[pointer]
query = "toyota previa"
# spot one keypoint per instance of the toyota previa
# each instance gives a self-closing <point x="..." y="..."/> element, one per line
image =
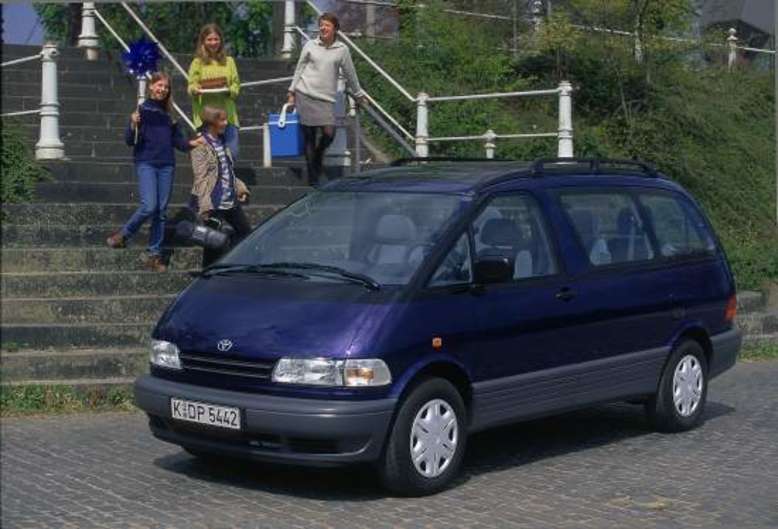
<point x="386" y="317"/>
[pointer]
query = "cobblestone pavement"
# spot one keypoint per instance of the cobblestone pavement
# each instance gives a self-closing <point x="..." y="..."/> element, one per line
<point x="597" y="468"/>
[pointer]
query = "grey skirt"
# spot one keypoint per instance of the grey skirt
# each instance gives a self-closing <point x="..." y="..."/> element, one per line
<point x="314" y="112"/>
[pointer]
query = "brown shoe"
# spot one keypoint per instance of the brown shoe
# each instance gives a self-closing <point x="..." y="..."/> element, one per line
<point x="117" y="240"/>
<point x="156" y="264"/>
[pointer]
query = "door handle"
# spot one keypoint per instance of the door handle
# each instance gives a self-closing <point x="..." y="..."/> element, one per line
<point x="565" y="294"/>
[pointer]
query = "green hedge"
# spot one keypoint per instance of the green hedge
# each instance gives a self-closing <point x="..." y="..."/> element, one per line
<point x="20" y="170"/>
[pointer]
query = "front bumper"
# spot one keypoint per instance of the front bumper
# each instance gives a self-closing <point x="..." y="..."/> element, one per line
<point x="726" y="347"/>
<point x="278" y="429"/>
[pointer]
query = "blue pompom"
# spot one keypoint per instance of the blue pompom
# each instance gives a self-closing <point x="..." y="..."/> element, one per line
<point x="142" y="57"/>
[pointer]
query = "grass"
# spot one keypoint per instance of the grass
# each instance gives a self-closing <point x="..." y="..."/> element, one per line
<point x="38" y="399"/>
<point x="760" y="351"/>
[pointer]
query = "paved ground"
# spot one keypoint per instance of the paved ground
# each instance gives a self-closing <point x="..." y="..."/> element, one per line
<point x="599" y="468"/>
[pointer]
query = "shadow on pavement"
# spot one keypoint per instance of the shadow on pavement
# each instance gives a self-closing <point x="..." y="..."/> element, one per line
<point x="493" y="450"/>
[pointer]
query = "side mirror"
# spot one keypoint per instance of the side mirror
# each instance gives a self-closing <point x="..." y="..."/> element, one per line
<point x="493" y="269"/>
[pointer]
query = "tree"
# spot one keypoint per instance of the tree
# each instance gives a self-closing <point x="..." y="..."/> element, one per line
<point x="247" y="25"/>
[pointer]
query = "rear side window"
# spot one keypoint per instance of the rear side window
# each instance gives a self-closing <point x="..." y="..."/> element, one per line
<point x="608" y="226"/>
<point x="680" y="229"/>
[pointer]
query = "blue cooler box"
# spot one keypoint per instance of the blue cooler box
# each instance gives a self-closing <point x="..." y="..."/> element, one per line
<point x="286" y="138"/>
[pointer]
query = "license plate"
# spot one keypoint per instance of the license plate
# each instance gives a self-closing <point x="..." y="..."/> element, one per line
<point x="204" y="413"/>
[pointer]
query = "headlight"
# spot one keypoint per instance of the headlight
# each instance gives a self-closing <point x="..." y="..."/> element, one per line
<point x="164" y="354"/>
<point x="329" y="372"/>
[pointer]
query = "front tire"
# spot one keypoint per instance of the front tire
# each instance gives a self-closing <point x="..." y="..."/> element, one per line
<point x="427" y="442"/>
<point x="683" y="388"/>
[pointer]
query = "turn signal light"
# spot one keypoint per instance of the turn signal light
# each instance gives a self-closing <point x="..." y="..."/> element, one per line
<point x="731" y="312"/>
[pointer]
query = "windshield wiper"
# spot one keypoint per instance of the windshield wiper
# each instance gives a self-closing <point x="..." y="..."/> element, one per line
<point x="354" y="277"/>
<point x="228" y="268"/>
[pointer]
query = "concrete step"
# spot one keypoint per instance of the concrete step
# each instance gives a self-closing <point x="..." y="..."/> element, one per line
<point x="67" y="364"/>
<point x="758" y="323"/>
<point x="124" y="309"/>
<point x="101" y="258"/>
<point x="41" y="335"/>
<point x="85" y="213"/>
<point x="70" y="236"/>
<point x="113" y="192"/>
<point x="750" y="301"/>
<point x="97" y="171"/>
<point x="118" y="149"/>
<point x="91" y="283"/>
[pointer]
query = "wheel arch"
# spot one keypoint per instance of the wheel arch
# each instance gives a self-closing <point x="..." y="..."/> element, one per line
<point x="697" y="333"/>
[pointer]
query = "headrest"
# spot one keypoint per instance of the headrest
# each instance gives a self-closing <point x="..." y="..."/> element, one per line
<point x="500" y="232"/>
<point x="395" y="229"/>
<point x="627" y="222"/>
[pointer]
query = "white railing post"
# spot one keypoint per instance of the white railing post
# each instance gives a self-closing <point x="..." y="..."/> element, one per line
<point x="267" y="158"/>
<point x="142" y="84"/>
<point x="565" y="148"/>
<point x="49" y="146"/>
<point x="489" y="144"/>
<point x="337" y="154"/>
<point x="732" y="45"/>
<point x="88" y="37"/>
<point x="422" y="126"/>
<point x="287" y="49"/>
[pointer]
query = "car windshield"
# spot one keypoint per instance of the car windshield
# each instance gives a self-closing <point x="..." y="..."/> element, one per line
<point x="381" y="237"/>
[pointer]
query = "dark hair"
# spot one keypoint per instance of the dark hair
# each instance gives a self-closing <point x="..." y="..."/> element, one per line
<point x="331" y="18"/>
<point x="202" y="53"/>
<point x="168" y="101"/>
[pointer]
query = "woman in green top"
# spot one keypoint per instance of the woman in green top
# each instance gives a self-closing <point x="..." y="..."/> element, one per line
<point x="214" y="82"/>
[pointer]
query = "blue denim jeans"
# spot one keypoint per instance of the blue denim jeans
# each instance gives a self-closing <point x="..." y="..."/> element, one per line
<point x="155" y="185"/>
<point x="231" y="140"/>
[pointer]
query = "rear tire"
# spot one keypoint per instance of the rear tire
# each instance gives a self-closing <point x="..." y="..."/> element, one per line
<point x="427" y="442"/>
<point x="683" y="388"/>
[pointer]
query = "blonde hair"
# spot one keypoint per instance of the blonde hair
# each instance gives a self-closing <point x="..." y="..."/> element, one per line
<point x="202" y="53"/>
<point x="158" y="76"/>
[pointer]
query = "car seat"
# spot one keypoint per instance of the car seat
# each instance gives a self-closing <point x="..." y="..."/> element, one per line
<point x="588" y="227"/>
<point x="630" y="243"/>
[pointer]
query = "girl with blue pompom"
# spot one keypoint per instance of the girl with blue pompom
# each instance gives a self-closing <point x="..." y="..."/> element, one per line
<point x="153" y="135"/>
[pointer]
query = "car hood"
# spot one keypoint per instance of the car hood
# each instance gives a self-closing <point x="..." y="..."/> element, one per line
<point x="266" y="318"/>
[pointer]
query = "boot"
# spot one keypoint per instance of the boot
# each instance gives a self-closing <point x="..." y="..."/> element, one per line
<point x="156" y="264"/>
<point x="116" y="240"/>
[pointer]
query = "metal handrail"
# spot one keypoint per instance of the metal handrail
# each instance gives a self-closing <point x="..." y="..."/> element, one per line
<point x="20" y="113"/>
<point x="22" y="60"/>
<point x="622" y="33"/>
<point x="156" y="40"/>
<point x="495" y="95"/>
<point x="486" y="136"/>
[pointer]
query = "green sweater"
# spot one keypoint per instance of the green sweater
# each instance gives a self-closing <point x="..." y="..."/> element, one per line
<point x="199" y="71"/>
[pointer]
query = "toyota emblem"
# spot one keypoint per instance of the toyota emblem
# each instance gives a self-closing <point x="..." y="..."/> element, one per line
<point x="224" y="345"/>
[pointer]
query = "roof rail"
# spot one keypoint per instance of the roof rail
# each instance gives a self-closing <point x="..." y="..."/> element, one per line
<point x="595" y="165"/>
<point x="406" y="161"/>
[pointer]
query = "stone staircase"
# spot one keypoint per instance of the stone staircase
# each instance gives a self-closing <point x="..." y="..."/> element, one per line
<point x="73" y="310"/>
<point x="758" y="317"/>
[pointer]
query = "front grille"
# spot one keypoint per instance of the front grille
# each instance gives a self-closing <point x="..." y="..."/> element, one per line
<point x="226" y="365"/>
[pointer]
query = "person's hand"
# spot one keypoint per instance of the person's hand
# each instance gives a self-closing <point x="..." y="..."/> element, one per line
<point x="197" y="91"/>
<point x="199" y="140"/>
<point x="135" y="118"/>
<point x="290" y="99"/>
<point x="205" y="215"/>
<point x="243" y="197"/>
<point x="362" y="101"/>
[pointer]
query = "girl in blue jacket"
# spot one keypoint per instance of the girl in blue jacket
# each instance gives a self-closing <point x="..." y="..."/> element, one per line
<point x="153" y="136"/>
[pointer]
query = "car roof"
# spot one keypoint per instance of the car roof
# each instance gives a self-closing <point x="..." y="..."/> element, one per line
<point x="471" y="177"/>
